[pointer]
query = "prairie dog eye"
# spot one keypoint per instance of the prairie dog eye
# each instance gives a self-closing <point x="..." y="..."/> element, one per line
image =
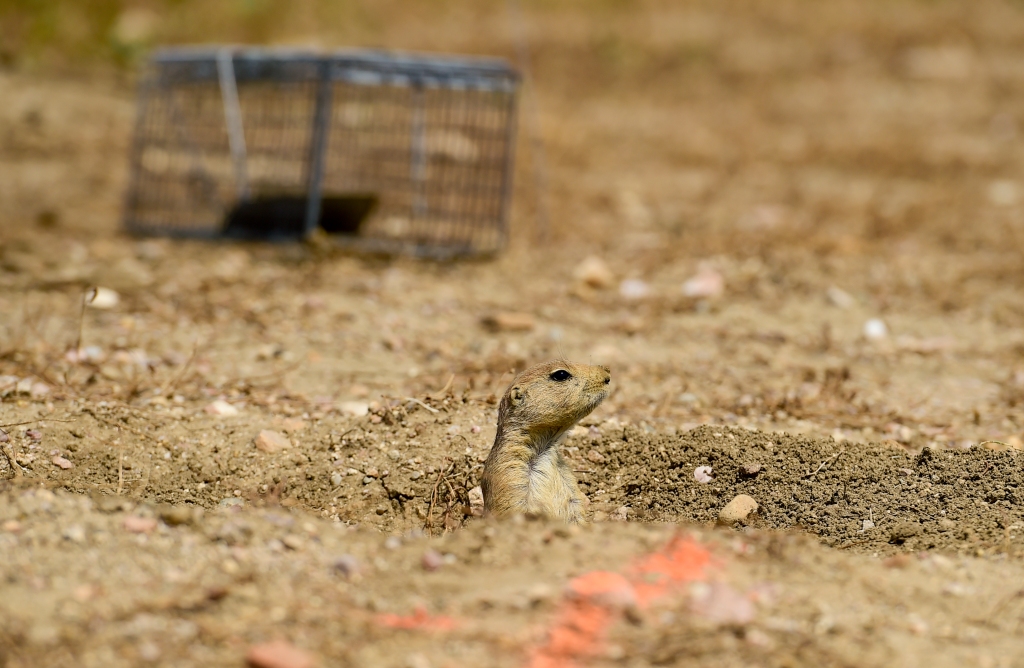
<point x="560" y="375"/>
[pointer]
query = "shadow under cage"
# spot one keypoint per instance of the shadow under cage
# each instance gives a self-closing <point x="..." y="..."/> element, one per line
<point x="387" y="152"/>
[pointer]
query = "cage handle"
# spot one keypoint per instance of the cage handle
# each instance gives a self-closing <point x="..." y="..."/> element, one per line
<point x="318" y="147"/>
<point x="233" y="119"/>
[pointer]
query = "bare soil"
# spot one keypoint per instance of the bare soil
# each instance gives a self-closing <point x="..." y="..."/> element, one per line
<point x="832" y="164"/>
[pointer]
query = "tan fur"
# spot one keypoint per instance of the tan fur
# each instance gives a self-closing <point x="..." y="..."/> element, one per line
<point x="525" y="471"/>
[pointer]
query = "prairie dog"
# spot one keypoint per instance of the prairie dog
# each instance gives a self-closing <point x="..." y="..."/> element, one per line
<point x="525" y="471"/>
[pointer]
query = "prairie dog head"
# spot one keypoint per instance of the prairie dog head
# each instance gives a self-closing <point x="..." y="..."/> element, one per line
<point x="553" y="395"/>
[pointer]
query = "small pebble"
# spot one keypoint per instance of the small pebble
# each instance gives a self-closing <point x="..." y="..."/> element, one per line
<point x="634" y="289"/>
<point x="354" y="408"/>
<point x="346" y="565"/>
<point x="62" y="462"/>
<point x="11" y="526"/>
<point x="594" y="272"/>
<point x="336" y="478"/>
<point x="737" y="510"/>
<point x="4" y="436"/>
<point x="875" y="329"/>
<point x="34" y="434"/>
<point x="221" y="407"/>
<point x="102" y="298"/>
<point x="278" y="654"/>
<point x="75" y="533"/>
<point x="508" y="322"/>
<point x="432" y="560"/>
<point x="293" y="542"/>
<point x="175" y="515"/>
<point x="703" y="475"/>
<point x="271" y="441"/>
<point x="750" y="470"/>
<point x="475" y="429"/>
<point x="136" y="524"/>
<point x="708" y="282"/>
<point x="595" y="457"/>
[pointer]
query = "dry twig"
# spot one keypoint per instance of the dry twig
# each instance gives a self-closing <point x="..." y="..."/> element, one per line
<point x="447" y="386"/>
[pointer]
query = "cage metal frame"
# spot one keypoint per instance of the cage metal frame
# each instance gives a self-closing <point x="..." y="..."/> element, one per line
<point x="234" y="69"/>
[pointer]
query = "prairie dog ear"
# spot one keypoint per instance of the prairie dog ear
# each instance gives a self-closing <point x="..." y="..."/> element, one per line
<point x="516" y="395"/>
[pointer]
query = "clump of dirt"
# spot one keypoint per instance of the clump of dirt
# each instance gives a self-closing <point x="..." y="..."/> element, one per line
<point x="871" y="497"/>
<point x="412" y="466"/>
<point x="404" y="465"/>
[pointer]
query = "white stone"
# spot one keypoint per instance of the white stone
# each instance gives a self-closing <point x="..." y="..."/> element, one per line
<point x="355" y="408"/>
<point x="103" y="298"/>
<point x="703" y="474"/>
<point x="708" y="282"/>
<point x="876" y="329"/>
<point x="221" y="407"/>
<point x="634" y="289"/>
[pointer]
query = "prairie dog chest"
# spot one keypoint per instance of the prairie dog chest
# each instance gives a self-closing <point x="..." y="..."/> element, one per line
<point x="546" y="474"/>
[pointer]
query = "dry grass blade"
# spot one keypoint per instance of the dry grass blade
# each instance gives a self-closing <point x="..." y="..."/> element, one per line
<point x="826" y="463"/>
<point x="444" y="390"/>
<point x="27" y="422"/>
<point x="417" y="401"/>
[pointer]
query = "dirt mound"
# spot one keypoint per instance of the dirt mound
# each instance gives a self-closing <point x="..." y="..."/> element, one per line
<point x="406" y="467"/>
<point x="866" y="497"/>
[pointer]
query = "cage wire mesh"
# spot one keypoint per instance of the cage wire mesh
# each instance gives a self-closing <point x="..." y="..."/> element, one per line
<point x="388" y="152"/>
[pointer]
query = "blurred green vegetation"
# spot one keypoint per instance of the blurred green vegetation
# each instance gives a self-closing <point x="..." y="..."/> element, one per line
<point x="74" y="33"/>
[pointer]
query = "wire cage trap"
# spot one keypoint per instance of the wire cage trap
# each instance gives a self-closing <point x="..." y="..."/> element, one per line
<point x="387" y="152"/>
